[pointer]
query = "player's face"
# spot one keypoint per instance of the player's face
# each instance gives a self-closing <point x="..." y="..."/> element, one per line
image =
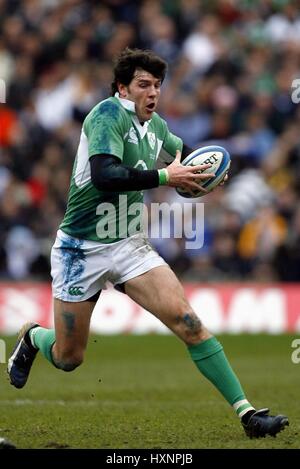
<point x="144" y="91"/>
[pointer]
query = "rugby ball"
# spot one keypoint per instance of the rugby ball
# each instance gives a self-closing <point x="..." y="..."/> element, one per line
<point x="219" y="159"/>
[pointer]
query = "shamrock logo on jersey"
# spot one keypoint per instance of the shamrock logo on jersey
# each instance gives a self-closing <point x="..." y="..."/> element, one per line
<point x="151" y="139"/>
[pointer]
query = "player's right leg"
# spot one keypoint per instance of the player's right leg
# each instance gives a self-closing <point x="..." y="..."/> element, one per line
<point x="76" y="287"/>
<point x="64" y="347"/>
<point x="72" y="325"/>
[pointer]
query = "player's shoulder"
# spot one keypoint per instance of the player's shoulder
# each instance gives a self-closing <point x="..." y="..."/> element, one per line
<point x="108" y="110"/>
<point x="109" y="106"/>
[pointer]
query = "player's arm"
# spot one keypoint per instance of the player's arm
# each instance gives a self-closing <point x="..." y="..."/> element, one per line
<point x="109" y="174"/>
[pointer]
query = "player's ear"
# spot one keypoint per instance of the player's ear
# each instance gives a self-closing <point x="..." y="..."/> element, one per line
<point x="122" y="90"/>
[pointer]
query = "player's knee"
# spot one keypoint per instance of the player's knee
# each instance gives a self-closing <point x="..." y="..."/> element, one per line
<point x="67" y="366"/>
<point x="69" y="362"/>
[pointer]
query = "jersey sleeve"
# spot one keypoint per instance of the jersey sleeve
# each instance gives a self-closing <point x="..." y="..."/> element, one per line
<point x="104" y="130"/>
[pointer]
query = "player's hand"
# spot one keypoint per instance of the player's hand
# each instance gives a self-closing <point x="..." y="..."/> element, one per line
<point x="187" y="177"/>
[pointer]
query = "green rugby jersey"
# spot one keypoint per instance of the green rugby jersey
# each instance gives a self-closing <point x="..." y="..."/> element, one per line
<point x="112" y="127"/>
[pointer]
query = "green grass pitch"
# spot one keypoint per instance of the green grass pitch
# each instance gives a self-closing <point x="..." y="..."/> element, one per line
<point x="145" y="392"/>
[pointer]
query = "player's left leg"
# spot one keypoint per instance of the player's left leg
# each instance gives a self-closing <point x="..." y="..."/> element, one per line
<point x="160" y="292"/>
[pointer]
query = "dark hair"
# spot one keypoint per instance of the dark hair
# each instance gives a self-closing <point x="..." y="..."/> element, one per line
<point x="131" y="59"/>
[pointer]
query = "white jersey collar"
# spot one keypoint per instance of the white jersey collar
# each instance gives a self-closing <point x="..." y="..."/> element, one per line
<point x="130" y="106"/>
<point x="126" y="103"/>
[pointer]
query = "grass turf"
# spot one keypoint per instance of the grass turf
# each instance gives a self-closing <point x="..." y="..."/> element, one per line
<point x="145" y="392"/>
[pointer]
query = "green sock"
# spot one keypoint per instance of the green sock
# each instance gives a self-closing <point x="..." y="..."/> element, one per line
<point x="43" y="339"/>
<point x="213" y="364"/>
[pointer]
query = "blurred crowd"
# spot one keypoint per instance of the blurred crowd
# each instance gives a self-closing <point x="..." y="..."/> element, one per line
<point x="232" y="65"/>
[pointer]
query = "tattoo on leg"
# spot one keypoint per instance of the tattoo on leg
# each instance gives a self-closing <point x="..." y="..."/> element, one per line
<point x="192" y="322"/>
<point x="69" y="320"/>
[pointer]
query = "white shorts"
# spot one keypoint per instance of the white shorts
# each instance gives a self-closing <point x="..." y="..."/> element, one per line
<point x="80" y="268"/>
